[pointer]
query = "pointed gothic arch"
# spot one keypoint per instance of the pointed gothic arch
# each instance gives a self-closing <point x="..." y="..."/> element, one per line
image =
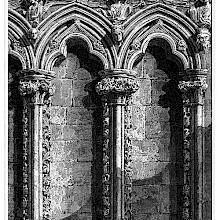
<point x="160" y="21"/>
<point x="78" y="21"/>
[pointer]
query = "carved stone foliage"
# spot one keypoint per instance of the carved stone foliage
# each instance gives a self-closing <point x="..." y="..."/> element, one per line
<point x="128" y="159"/>
<point x="37" y="90"/>
<point x="188" y="88"/>
<point x="117" y="14"/>
<point x="193" y="95"/>
<point x="46" y="161"/>
<point x="116" y="88"/>
<point x="187" y="163"/>
<point x="117" y="85"/>
<point x="26" y="180"/>
<point x="106" y="163"/>
<point x="201" y="15"/>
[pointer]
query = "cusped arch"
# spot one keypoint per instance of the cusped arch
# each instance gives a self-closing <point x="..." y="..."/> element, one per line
<point x="160" y="21"/>
<point x="166" y="37"/>
<point x="62" y="51"/>
<point x="19" y="44"/>
<point x="75" y="20"/>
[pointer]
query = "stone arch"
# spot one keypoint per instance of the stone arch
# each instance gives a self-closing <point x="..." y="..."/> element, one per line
<point x="160" y="21"/>
<point x="75" y="20"/>
<point x="19" y="44"/>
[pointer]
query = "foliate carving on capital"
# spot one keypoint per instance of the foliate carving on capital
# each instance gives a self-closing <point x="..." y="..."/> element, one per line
<point x="37" y="90"/>
<point x="185" y="86"/>
<point x="193" y="91"/>
<point x="117" y="85"/>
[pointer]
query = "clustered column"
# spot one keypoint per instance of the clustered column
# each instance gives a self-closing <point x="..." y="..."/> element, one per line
<point x="35" y="87"/>
<point x="115" y="88"/>
<point x="193" y="90"/>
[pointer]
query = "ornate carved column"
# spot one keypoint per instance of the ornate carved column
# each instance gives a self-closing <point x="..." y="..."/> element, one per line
<point x="35" y="87"/>
<point x="193" y="89"/>
<point x="116" y="88"/>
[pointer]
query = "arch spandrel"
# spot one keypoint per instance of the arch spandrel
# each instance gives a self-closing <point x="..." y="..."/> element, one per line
<point x="159" y="21"/>
<point x="76" y="20"/>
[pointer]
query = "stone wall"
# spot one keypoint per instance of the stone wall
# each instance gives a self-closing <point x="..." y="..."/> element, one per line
<point x="156" y="139"/>
<point x="72" y="121"/>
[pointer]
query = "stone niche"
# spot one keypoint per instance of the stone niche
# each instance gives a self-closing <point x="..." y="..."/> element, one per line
<point x="76" y="135"/>
<point x="157" y="136"/>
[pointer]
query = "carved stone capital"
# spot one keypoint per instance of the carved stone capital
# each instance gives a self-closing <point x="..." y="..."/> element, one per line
<point x="118" y="81"/>
<point x="193" y="91"/>
<point x="117" y="85"/>
<point x="193" y="85"/>
<point x="36" y="85"/>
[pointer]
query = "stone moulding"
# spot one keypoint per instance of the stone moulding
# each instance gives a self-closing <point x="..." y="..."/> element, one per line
<point x="193" y="92"/>
<point x="26" y="178"/>
<point x="116" y="88"/>
<point x="36" y="89"/>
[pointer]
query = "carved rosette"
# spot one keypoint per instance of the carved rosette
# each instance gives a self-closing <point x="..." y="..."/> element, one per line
<point x="117" y="85"/>
<point x="193" y="99"/>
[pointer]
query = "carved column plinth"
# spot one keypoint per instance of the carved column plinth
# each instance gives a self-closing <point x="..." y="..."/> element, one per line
<point x="35" y="87"/>
<point x="115" y="88"/>
<point x="193" y="92"/>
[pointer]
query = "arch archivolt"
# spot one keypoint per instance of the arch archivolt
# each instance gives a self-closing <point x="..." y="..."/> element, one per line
<point x="18" y="43"/>
<point x="78" y="21"/>
<point x="57" y="45"/>
<point x="75" y="21"/>
<point x="159" y="21"/>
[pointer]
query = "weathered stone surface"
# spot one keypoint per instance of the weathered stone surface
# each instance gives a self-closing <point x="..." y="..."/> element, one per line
<point x="157" y="90"/>
<point x="77" y="132"/>
<point x="157" y="129"/>
<point x="57" y="132"/>
<point x="83" y="74"/>
<point x="138" y="122"/>
<point x="157" y="113"/>
<point x="58" y="115"/>
<point x="143" y="94"/>
<point x="63" y="93"/>
<point x="78" y="116"/>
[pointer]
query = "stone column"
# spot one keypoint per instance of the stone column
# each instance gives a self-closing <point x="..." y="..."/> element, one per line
<point x="193" y="89"/>
<point x="115" y="87"/>
<point x="35" y="88"/>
